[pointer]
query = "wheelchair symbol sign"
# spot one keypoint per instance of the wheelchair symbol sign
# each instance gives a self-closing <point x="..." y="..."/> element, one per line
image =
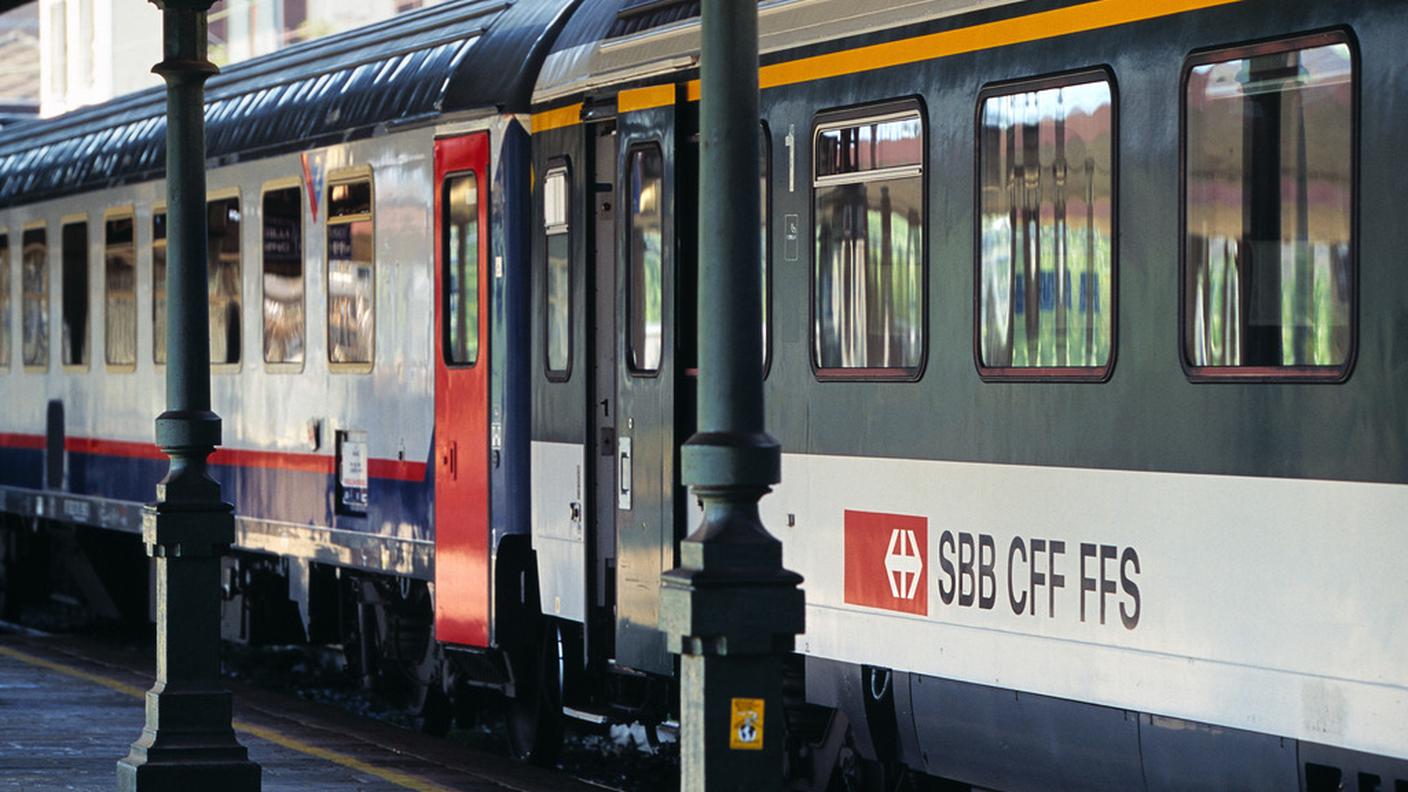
<point x="746" y="725"/>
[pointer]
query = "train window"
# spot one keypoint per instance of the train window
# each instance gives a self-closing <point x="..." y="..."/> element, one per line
<point x="1046" y="228"/>
<point x="351" y="274"/>
<point x="159" y="287"/>
<point x="75" y="293"/>
<point x="4" y="300"/>
<point x="1268" y="253"/>
<point x="283" y="276"/>
<point x="646" y="299"/>
<point x="119" y="292"/>
<point x="764" y="173"/>
<point x="556" y="222"/>
<point x="868" y="308"/>
<point x="34" y="283"/>
<point x="222" y="235"/>
<point x="462" y="270"/>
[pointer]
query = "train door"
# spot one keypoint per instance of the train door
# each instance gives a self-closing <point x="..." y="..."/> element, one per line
<point x="647" y="497"/>
<point x="462" y="390"/>
<point x="602" y="188"/>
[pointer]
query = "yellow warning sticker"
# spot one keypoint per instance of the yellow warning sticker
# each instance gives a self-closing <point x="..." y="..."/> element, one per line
<point x="746" y="725"/>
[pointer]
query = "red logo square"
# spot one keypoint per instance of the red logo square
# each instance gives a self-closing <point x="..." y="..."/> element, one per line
<point x="885" y="561"/>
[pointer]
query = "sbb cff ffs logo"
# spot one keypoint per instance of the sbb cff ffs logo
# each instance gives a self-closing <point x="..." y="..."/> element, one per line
<point x="885" y="561"/>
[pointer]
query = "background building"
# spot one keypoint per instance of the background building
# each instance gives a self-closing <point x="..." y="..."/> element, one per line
<point x="93" y="50"/>
<point x="19" y="63"/>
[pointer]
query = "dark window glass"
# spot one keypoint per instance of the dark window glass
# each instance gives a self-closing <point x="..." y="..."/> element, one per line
<point x="1268" y="257"/>
<point x="223" y="270"/>
<point x="159" y="287"/>
<point x="462" y="270"/>
<point x="75" y="294"/>
<point x="645" y="175"/>
<point x="350" y="198"/>
<point x="283" y="276"/>
<point x="869" y="276"/>
<point x="119" y="293"/>
<point x="559" y="281"/>
<point x="1046" y="275"/>
<point x="5" y="300"/>
<point x="351" y="274"/>
<point x="35" y="284"/>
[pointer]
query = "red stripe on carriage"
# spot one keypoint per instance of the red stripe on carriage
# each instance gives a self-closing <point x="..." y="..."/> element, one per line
<point x="35" y="442"/>
<point x="390" y="469"/>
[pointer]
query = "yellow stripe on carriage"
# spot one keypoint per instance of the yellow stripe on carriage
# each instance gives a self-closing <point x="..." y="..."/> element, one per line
<point x="1057" y="22"/>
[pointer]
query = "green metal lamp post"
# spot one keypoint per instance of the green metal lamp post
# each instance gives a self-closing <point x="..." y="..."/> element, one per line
<point x="188" y="742"/>
<point x="731" y="611"/>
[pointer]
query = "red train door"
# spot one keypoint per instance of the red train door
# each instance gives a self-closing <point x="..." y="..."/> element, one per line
<point x="462" y="389"/>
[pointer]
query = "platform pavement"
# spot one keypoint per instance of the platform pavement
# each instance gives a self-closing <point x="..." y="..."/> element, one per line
<point x="67" y="716"/>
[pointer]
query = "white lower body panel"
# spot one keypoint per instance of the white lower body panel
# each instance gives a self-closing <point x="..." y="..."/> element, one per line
<point x="1275" y="605"/>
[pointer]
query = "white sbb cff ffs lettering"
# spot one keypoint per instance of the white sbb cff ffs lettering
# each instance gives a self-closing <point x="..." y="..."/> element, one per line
<point x="968" y="575"/>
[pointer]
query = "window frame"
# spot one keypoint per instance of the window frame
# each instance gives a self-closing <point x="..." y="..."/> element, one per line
<point x="765" y="162"/>
<point x="157" y="209"/>
<point x="560" y="164"/>
<point x="7" y="306"/>
<point x="39" y="368"/>
<point x="1085" y="374"/>
<point x="645" y="144"/>
<point x="1331" y="375"/>
<point x="224" y="194"/>
<point x="122" y="212"/>
<point x="64" y="222"/>
<point x="275" y="185"/>
<point x="336" y="177"/>
<point x="900" y="107"/>
<point x="442" y="243"/>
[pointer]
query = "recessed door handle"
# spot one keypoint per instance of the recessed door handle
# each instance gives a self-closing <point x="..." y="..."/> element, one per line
<point x="623" y="498"/>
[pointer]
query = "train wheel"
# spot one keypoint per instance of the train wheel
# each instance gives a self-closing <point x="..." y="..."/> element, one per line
<point x="535" y="711"/>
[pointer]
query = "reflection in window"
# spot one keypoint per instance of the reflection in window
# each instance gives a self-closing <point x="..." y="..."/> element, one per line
<point x="119" y="293"/>
<point x="75" y="294"/>
<point x="34" y="278"/>
<point x="223" y="271"/>
<point x="645" y="174"/>
<point x="159" y="287"/>
<point x="869" y="244"/>
<point x="4" y="300"/>
<point x="462" y="270"/>
<point x="283" y="276"/>
<point x="1046" y="233"/>
<point x="351" y="295"/>
<point x="559" y="286"/>
<point x="1269" y="263"/>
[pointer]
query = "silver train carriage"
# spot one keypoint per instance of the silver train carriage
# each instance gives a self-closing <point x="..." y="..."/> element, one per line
<point x="367" y="215"/>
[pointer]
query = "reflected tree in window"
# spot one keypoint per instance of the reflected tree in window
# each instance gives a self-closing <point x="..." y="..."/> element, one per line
<point x="1046" y="228"/>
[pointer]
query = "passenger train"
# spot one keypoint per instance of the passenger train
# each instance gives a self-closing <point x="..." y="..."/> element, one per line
<point x="1083" y="342"/>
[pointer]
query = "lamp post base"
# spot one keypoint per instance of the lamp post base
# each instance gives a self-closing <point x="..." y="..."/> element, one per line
<point x="194" y="749"/>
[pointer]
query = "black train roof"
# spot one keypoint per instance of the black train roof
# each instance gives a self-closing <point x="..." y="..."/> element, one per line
<point x="458" y="55"/>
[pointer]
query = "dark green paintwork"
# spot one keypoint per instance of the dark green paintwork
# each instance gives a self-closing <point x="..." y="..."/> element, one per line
<point x="730" y="610"/>
<point x="188" y="742"/>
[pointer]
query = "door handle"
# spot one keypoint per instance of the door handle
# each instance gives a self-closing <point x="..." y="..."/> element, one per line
<point x="623" y="498"/>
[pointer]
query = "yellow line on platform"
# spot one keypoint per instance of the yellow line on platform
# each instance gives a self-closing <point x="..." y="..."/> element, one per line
<point x="265" y="733"/>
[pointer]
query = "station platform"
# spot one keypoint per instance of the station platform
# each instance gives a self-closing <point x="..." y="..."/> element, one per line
<point x="69" y="711"/>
